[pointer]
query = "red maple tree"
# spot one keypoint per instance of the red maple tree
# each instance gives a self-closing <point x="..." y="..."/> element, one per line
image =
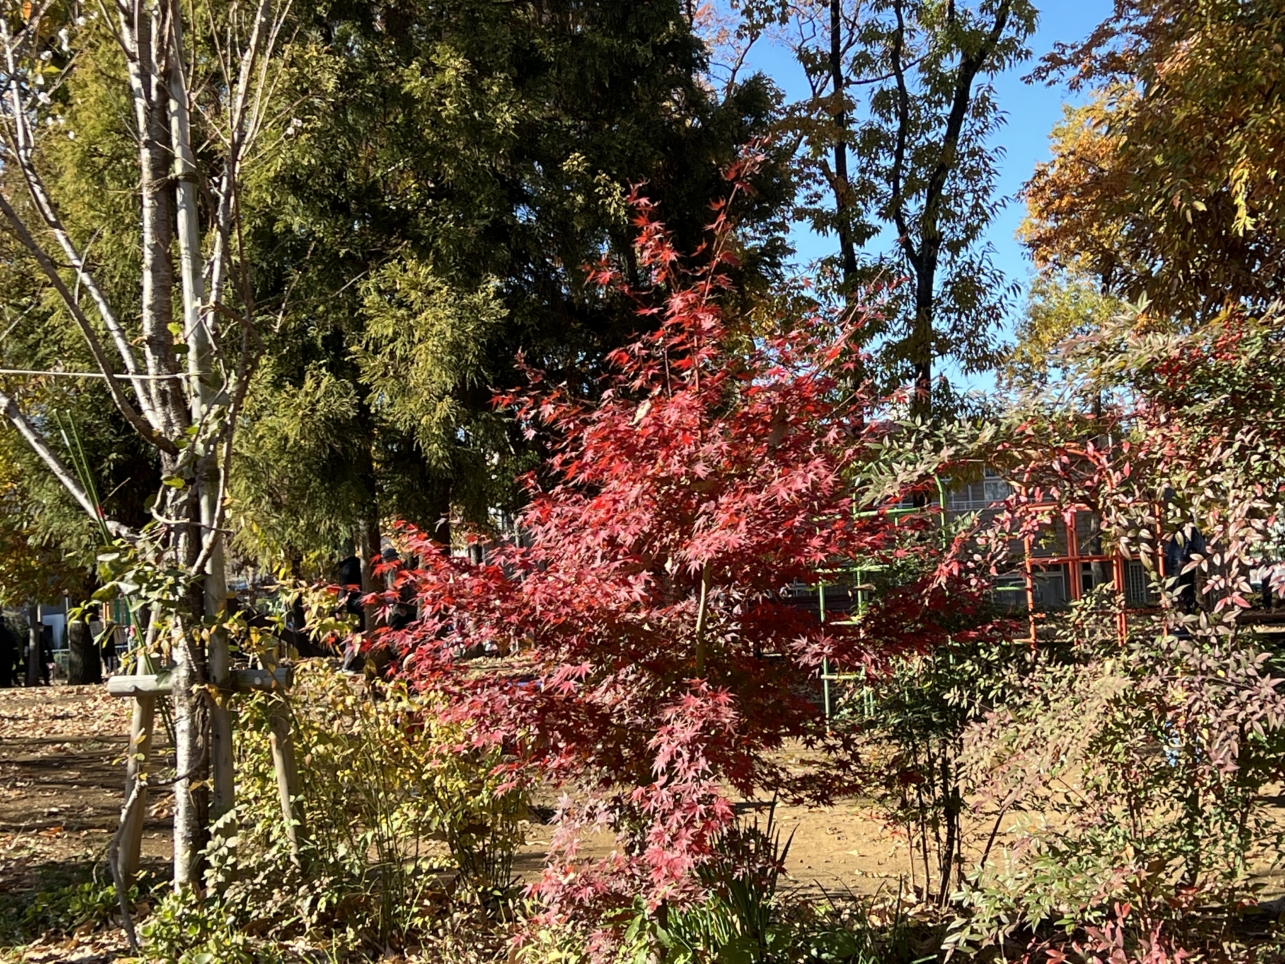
<point x="656" y="657"/>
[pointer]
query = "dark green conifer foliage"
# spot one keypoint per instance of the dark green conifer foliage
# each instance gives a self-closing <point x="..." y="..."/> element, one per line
<point x="452" y="168"/>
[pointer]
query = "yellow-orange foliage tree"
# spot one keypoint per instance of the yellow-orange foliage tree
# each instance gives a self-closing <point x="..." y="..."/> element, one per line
<point x="1166" y="183"/>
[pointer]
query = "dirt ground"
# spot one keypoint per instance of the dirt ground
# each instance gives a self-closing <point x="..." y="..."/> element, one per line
<point x="832" y="849"/>
<point x="62" y="773"/>
<point x="62" y="780"/>
<point x="61" y="789"/>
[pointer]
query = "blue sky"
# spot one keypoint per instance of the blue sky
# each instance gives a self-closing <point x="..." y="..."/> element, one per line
<point x="1032" y="109"/>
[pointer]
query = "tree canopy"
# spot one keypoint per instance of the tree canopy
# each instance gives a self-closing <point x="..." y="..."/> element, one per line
<point x="420" y="216"/>
<point x="1166" y="184"/>
<point x="896" y="159"/>
<point x="450" y="170"/>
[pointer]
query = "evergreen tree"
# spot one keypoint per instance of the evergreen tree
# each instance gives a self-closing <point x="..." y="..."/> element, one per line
<point x="451" y="168"/>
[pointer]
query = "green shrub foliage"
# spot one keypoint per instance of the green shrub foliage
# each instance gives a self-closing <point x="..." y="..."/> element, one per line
<point x="397" y="814"/>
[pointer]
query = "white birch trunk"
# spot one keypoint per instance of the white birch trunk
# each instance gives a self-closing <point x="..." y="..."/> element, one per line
<point x="204" y="393"/>
<point x="153" y="50"/>
<point x="171" y="398"/>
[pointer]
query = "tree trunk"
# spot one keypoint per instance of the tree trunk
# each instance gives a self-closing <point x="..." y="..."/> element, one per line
<point x="191" y="752"/>
<point x="156" y="190"/>
<point x="924" y="257"/>
<point x="173" y="397"/>
<point x="204" y="394"/>
<point x="921" y="343"/>
<point x="842" y="187"/>
<point x="952" y="812"/>
<point x="287" y="773"/>
<point x="153" y="59"/>
<point x="84" y="665"/>
<point x="367" y="549"/>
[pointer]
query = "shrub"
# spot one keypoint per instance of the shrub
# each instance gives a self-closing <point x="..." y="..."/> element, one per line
<point x="1150" y="751"/>
<point x="186" y="930"/>
<point x="1118" y="748"/>
<point x="736" y="920"/>
<point x="399" y="816"/>
<point x="912" y="722"/>
<point x="90" y="903"/>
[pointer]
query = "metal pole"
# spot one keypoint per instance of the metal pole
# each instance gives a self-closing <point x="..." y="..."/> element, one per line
<point x="825" y="663"/>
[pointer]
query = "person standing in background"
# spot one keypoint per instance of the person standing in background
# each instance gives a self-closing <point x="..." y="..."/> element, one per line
<point x="46" y="651"/>
<point x="10" y="646"/>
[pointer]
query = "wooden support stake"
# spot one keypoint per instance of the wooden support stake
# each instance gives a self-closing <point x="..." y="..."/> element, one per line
<point x="162" y="683"/>
<point x="144" y="689"/>
<point x="287" y="771"/>
<point x="140" y="750"/>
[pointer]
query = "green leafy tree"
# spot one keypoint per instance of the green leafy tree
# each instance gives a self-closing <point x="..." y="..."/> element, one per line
<point x="896" y="159"/>
<point x="1059" y="305"/>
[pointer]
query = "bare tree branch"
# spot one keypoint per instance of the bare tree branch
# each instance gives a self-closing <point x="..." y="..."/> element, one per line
<point x="20" y="152"/>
